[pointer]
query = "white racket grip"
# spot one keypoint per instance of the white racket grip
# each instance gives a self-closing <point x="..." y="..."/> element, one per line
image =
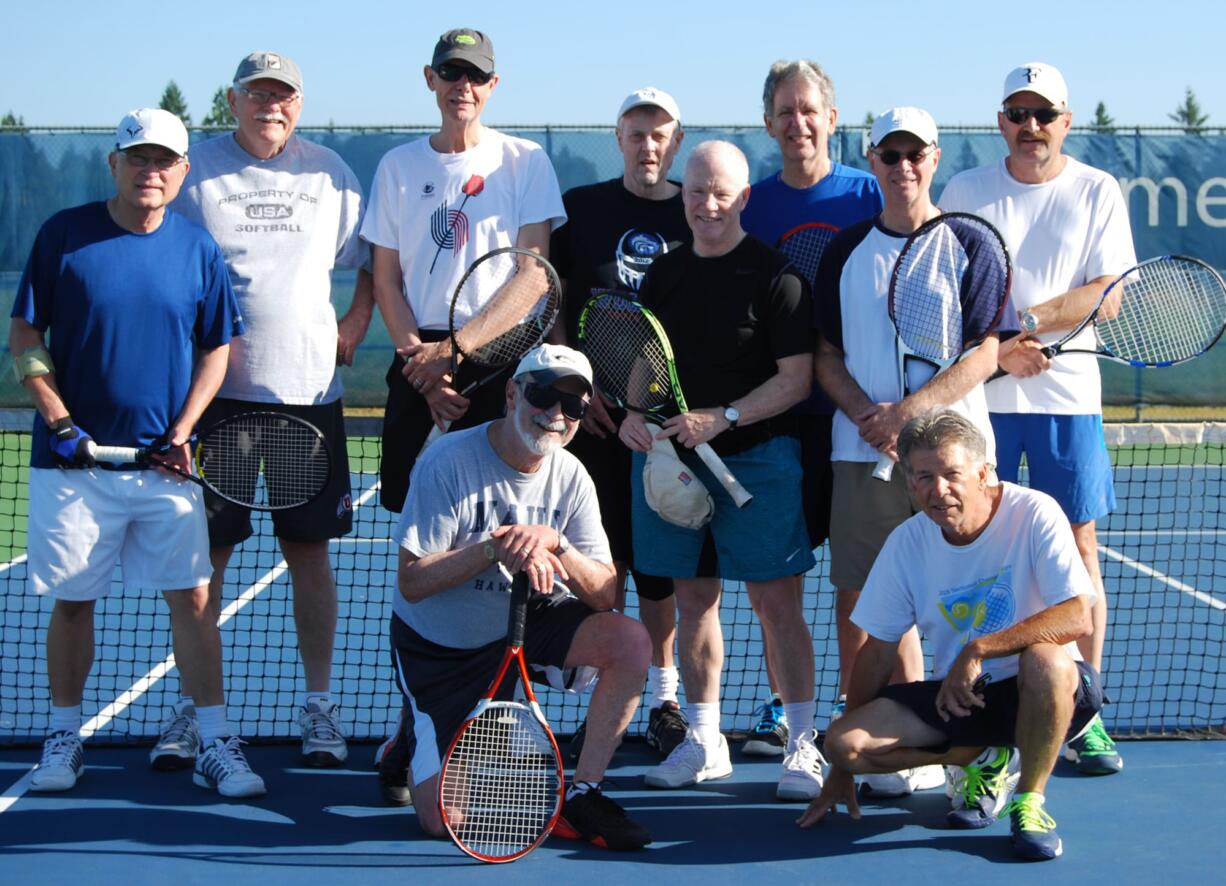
<point x="740" y="495"/>
<point x="885" y="469"/>
<point x="435" y="433"/>
<point x="113" y="455"/>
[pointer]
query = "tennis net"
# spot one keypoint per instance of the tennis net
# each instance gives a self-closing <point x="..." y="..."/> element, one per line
<point x="1162" y="556"/>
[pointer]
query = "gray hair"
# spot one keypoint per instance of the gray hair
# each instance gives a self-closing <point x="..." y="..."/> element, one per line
<point x="941" y="427"/>
<point x="801" y="69"/>
<point x="722" y="154"/>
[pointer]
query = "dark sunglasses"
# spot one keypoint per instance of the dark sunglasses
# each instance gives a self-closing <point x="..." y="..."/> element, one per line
<point x="891" y="157"/>
<point x="451" y="73"/>
<point x="574" y="406"/>
<point x="1044" y="116"/>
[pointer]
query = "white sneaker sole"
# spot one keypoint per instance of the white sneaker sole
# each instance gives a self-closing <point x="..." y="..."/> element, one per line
<point x="675" y="780"/>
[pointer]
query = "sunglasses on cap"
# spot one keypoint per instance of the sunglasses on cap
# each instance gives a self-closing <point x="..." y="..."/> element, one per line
<point x="452" y="72"/>
<point x="574" y="406"/>
<point x="1044" y="116"/>
<point x="892" y="157"/>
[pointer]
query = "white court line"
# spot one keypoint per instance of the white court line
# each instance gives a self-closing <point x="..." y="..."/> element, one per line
<point x="1165" y="579"/>
<point x="141" y="686"/>
<point x="1163" y="532"/>
<point x="16" y="561"/>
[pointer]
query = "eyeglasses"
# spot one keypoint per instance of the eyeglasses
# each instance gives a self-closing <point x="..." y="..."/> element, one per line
<point x="142" y="161"/>
<point x="267" y="97"/>
<point x="574" y="406"/>
<point x="1044" y="116"/>
<point x="451" y="73"/>
<point x="892" y="157"/>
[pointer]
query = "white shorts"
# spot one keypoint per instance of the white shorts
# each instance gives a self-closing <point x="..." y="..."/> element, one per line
<point x="83" y="522"/>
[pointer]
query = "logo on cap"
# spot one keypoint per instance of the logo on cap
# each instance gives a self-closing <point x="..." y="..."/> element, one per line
<point x="466" y="39"/>
<point x="134" y="131"/>
<point x="272" y="61"/>
<point x="1033" y="74"/>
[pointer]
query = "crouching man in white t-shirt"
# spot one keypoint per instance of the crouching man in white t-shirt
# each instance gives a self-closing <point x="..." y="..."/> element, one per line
<point x="1003" y="597"/>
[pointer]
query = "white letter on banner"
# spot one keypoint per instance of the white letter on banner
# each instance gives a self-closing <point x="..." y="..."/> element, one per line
<point x="1204" y="201"/>
<point x="1181" y="197"/>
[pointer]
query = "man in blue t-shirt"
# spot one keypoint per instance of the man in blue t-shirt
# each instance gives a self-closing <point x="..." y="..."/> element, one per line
<point x="798" y="209"/>
<point x="116" y="298"/>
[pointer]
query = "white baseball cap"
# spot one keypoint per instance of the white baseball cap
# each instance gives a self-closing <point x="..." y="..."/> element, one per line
<point x="916" y="121"/>
<point x="151" y="126"/>
<point x="672" y="490"/>
<point x="650" y="97"/>
<point x="1039" y="78"/>
<point x="548" y="363"/>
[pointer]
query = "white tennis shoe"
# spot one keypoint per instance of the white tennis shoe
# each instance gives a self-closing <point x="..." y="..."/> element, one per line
<point x="691" y="762"/>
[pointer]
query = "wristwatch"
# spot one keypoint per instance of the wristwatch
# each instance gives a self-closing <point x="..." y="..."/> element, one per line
<point x="732" y="414"/>
<point x="563" y="545"/>
<point x="488" y="550"/>
<point x="1028" y="321"/>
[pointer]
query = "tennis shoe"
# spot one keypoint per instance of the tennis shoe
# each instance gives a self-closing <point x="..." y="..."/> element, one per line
<point x="903" y="783"/>
<point x="666" y="727"/>
<point x="223" y="766"/>
<point x="988" y="783"/>
<point x="769" y="736"/>
<point x="177" y="744"/>
<point x="61" y="764"/>
<point x="392" y="764"/>
<point x="691" y="762"/>
<point x="1094" y="751"/>
<point x="802" y="777"/>
<point x="323" y="743"/>
<point x="838" y="708"/>
<point x="1032" y="830"/>
<point x="593" y="817"/>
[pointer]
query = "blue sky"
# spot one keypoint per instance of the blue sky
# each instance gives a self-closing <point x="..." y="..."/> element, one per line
<point x="74" y="62"/>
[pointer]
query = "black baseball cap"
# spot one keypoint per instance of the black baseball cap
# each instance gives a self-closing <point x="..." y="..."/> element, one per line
<point x="465" y="45"/>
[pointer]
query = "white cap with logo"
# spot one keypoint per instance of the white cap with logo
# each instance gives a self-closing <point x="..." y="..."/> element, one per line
<point x="916" y="121"/>
<point x="650" y="97"/>
<point x="151" y="126"/>
<point x="1039" y="78"/>
<point x="548" y="363"/>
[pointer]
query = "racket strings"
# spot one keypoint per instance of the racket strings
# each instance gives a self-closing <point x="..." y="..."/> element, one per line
<point x="628" y="358"/>
<point x="265" y="460"/>
<point x="1169" y="311"/>
<point x="515" y="317"/>
<point x="500" y="785"/>
<point x="805" y="247"/>
<point x="926" y="295"/>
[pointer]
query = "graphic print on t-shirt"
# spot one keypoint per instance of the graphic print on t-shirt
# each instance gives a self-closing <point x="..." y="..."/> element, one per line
<point x="636" y="250"/>
<point x="981" y="607"/>
<point x="449" y="227"/>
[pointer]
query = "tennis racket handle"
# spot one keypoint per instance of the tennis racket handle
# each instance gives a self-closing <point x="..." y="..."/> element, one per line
<point x="517" y="620"/>
<point x="435" y="433"/>
<point x="740" y="495"/>
<point x="885" y="469"/>
<point x="113" y="455"/>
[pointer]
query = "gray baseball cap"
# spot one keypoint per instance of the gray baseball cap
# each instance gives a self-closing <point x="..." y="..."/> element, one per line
<point x="269" y="66"/>
<point x="465" y="45"/>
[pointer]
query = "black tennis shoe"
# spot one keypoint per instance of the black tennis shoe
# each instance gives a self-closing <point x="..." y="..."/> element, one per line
<point x="593" y="817"/>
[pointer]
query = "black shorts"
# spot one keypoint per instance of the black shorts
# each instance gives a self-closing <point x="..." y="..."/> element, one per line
<point x="441" y="685"/>
<point x="817" y="480"/>
<point x="329" y="515"/>
<point x="995" y="724"/>
<point x="407" y="420"/>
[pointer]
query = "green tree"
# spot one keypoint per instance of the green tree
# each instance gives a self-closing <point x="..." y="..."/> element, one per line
<point x="1189" y="114"/>
<point x="869" y="117"/>
<point x="10" y="119"/>
<point x="219" y="114"/>
<point x="1103" y="122"/>
<point x="173" y="101"/>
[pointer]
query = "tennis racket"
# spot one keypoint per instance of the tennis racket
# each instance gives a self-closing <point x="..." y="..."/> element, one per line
<point x="805" y="244"/>
<point x="634" y="366"/>
<point x="514" y="319"/>
<point x="500" y="790"/>
<point x="1164" y="311"/>
<point x="266" y="461"/>
<point x="947" y="293"/>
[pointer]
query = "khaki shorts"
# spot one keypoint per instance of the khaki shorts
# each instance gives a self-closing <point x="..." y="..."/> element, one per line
<point x="864" y="510"/>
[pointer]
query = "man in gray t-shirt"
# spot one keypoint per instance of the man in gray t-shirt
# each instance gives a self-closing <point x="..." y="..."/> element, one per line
<point x="285" y="212"/>
<point x="485" y="503"/>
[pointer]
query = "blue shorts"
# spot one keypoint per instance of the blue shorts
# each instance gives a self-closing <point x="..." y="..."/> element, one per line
<point x="1067" y="457"/>
<point x="762" y="541"/>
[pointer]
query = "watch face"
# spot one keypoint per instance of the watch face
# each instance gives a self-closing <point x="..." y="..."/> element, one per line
<point x="732" y="414"/>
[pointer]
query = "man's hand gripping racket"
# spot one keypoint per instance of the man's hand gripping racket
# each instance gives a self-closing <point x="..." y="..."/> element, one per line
<point x="947" y="293"/>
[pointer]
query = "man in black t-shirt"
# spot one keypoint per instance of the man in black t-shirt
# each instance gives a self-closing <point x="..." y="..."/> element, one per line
<point x="736" y="312"/>
<point x="614" y="230"/>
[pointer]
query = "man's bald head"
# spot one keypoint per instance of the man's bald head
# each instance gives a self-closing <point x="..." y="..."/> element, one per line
<point x="718" y="159"/>
<point x="715" y="191"/>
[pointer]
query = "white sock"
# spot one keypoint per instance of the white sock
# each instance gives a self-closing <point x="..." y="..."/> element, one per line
<point x="187" y="702"/>
<point x="800" y="716"/>
<point x="213" y="725"/>
<point x="662" y="685"/>
<point x="66" y="719"/>
<point x="704" y="722"/>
